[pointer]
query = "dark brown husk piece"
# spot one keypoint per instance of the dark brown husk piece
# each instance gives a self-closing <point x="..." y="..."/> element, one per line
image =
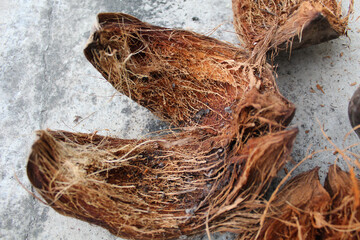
<point x="184" y="78"/>
<point x="344" y="217"/>
<point x="157" y="188"/>
<point x="283" y="24"/>
<point x="209" y="174"/>
<point x="304" y="209"/>
<point x="296" y="209"/>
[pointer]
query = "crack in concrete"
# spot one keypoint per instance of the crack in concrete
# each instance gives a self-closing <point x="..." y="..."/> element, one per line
<point x="34" y="204"/>
<point x="31" y="221"/>
<point x="36" y="218"/>
<point x="47" y="40"/>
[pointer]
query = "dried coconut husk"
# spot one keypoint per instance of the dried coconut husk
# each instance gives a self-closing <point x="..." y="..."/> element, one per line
<point x="209" y="176"/>
<point x="273" y="24"/>
<point x="344" y="216"/>
<point x="184" y="78"/>
<point x="298" y="209"/>
<point x="157" y="188"/>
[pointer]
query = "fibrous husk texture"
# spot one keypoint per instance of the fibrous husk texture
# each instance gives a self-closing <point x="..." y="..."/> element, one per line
<point x="292" y="213"/>
<point x="282" y="24"/>
<point x="304" y="209"/>
<point x="157" y="188"/>
<point x="184" y="78"/>
<point x="209" y="174"/>
<point x="344" y="215"/>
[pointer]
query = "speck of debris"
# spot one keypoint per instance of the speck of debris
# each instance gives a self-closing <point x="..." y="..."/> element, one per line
<point x="190" y="211"/>
<point x="196" y="19"/>
<point x="77" y="119"/>
<point x="320" y="88"/>
<point x="202" y="113"/>
<point x="228" y="110"/>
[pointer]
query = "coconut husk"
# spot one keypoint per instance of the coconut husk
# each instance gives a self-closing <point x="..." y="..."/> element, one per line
<point x="184" y="78"/>
<point x="344" y="217"/>
<point x="290" y="24"/>
<point x="209" y="175"/>
<point x="297" y="209"/>
<point x="157" y="188"/>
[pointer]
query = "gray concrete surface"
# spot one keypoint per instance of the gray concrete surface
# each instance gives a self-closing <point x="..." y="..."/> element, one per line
<point x="46" y="82"/>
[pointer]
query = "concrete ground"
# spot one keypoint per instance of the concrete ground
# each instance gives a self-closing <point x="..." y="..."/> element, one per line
<point x="46" y="82"/>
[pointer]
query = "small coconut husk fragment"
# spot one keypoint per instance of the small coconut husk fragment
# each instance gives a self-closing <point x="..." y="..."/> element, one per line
<point x="344" y="216"/>
<point x="298" y="210"/>
<point x="184" y="78"/>
<point x="304" y="209"/>
<point x="264" y="25"/>
<point x="159" y="188"/>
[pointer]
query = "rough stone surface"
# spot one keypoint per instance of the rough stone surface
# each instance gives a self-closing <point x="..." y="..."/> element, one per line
<point x="46" y="82"/>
